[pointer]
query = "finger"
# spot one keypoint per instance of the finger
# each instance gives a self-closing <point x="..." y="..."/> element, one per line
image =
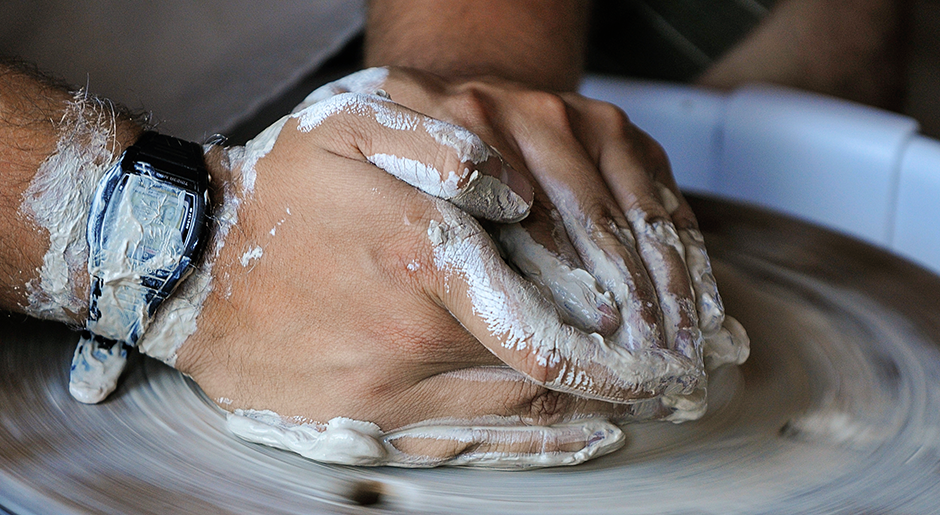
<point x="721" y="345"/>
<point x="711" y="311"/>
<point x="481" y="416"/>
<point x="352" y="442"/>
<point x="599" y="247"/>
<point x="725" y="340"/>
<point x="728" y="345"/>
<point x="499" y="394"/>
<point x="628" y="164"/>
<point x="546" y="245"/>
<point x="663" y="254"/>
<point x="599" y="233"/>
<point x="502" y="394"/>
<point x="504" y="447"/>
<point x="504" y="312"/>
<point x="440" y="159"/>
<point x="519" y="424"/>
<point x="514" y="321"/>
<point x="575" y="292"/>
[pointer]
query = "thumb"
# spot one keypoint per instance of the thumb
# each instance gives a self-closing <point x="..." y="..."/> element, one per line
<point x="441" y="159"/>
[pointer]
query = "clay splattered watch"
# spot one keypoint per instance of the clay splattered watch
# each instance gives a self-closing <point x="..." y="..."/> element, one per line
<point x="146" y="227"/>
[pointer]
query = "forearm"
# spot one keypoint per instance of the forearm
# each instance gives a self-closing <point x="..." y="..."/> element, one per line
<point x="854" y="49"/>
<point x="537" y="42"/>
<point x="52" y="144"/>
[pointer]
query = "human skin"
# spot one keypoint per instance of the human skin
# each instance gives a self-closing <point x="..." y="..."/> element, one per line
<point x="31" y="110"/>
<point x="346" y="314"/>
<point x="852" y="49"/>
<point x="506" y="70"/>
<point x="399" y="338"/>
<point x="534" y="42"/>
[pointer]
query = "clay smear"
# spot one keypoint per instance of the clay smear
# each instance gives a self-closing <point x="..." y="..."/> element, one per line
<point x="58" y="199"/>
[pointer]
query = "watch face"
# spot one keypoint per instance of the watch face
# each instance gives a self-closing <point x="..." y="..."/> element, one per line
<point x="143" y="235"/>
<point x="146" y="225"/>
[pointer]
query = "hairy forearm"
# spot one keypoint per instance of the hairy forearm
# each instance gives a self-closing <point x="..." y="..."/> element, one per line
<point x="854" y="49"/>
<point x="47" y="133"/>
<point x="537" y="42"/>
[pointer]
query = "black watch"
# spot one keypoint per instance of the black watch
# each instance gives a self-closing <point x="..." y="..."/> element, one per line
<point x="146" y="228"/>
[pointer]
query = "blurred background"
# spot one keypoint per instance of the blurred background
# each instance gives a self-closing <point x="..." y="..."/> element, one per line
<point x="884" y="53"/>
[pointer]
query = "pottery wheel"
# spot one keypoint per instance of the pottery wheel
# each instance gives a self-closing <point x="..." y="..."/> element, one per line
<point x="837" y="411"/>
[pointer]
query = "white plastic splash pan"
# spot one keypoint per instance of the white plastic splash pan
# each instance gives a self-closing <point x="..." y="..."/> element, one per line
<point x="855" y="169"/>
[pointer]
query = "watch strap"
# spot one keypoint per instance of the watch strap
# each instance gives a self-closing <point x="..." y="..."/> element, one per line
<point x="174" y="160"/>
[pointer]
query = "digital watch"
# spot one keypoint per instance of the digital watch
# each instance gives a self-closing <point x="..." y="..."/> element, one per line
<point x="146" y="228"/>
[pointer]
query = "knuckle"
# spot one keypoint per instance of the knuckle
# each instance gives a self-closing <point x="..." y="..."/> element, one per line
<point x="616" y="123"/>
<point x="550" y="106"/>
<point x="544" y="365"/>
<point x="646" y="210"/>
<point x="604" y="214"/>
<point x="546" y="406"/>
<point x="474" y="107"/>
<point x="684" y="218"/>
<point x="612" y="117"/>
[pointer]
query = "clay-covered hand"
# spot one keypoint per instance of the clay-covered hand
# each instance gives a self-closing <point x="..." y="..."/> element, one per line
<point x="610" y="237"/>
<point x="351" y="317"/>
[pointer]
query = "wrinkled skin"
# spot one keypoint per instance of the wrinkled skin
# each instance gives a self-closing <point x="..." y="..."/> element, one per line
<point x="378" y="330"/>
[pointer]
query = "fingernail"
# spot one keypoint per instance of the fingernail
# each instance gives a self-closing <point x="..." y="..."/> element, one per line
<point x="609" y="320"/>
<point x="668" y="198"/>
<point x="509" y="176"/>
<point x="689" y="344"/>
<point x="517" y="182"/>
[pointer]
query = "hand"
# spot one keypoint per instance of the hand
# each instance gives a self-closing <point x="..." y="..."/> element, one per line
<point x="606" y="202"/>
<point x="342" y="291"/>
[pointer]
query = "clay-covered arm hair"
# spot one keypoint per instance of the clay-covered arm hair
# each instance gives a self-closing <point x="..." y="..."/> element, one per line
<point x="537" y="42"/>
<point x="35" y="115"/>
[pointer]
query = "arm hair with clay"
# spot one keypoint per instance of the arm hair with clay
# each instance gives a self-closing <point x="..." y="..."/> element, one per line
<point x="537" y="42"/>
<point x="37" y="114"/>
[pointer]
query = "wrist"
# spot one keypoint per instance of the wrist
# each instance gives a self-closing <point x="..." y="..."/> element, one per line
<point x="146" y="226"/>
<point x="90" y="137"/>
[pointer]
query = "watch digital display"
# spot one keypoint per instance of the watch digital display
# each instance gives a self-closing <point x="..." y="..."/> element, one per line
<point x="145" y="228"/>
<point x="147" y="224"/>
